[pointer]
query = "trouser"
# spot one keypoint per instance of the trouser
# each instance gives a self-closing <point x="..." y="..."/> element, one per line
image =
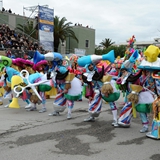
<point x="125" y="114"/>
<point x="96" y="104"/>
<point x="114" y="110"/>
<point x="144" y="118"/>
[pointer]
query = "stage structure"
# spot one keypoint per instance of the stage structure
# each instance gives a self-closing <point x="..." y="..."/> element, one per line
<point x="45" y="23"/>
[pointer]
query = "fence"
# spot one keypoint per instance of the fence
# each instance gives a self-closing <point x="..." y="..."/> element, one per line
<point x="17" y="53"/>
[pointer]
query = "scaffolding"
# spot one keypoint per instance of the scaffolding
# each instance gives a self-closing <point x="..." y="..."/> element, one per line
<point x="33" y="10"/>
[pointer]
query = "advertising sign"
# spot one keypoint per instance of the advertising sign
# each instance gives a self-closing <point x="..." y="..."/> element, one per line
<point x="46" y="28"/>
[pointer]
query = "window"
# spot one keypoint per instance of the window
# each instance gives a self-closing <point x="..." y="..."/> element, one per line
<point x="87" y="44"/>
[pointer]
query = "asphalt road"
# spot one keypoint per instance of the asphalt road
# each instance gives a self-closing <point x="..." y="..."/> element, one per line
<point x="36" y="136"/>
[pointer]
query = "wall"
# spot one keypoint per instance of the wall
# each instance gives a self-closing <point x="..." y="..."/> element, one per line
<point x="82" y="34"/>
<point x="12" y="20"/>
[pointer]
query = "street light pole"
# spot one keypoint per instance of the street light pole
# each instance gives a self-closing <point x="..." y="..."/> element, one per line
<point x="69" y="44"/>
<point x="1" y="4"/>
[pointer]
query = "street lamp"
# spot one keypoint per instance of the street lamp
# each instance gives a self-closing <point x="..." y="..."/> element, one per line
<point x="1" y="4"/>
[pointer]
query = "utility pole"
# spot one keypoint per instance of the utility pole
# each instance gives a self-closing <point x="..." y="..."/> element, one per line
<point x="1" y="5"/>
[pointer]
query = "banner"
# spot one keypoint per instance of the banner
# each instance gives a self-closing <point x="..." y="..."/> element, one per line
<point x="46" y="28"/>
<point x="80" y="52"/>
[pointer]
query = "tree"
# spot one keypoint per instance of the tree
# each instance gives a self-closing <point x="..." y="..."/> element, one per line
<point x="98" y="50"/>
<point x="106" y="43"/>
<point x="118" y="50"/>
<point x="28" y="29"/>
<point x="62" y="30"/>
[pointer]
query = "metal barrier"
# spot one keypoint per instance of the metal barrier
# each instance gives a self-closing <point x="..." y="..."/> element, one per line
<point x="16" y="53"/>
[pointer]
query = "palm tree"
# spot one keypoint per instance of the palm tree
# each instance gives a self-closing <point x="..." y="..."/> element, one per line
<point x="62" y="30"/>
<point x="28" y="29"/>
<point x="106" y="43"/>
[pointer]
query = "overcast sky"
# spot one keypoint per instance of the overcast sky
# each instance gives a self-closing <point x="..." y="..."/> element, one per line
<point x="114" y="19"/>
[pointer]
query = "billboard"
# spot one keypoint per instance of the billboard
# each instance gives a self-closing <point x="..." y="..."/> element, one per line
<point x="46" y="28"/>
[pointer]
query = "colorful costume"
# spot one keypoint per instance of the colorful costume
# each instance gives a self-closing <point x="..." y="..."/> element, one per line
<point x="95" y="89"/>
<point x="69" y="90"/>
<point x="151" y="63"/>
<point x="127" y="77"/>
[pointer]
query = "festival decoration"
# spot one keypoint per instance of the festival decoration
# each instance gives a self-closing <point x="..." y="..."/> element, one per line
<point x="151" y="61"/>
<point x="95" y="59"/>
<point x="50" y="56"/>
<point x="109" y="91"/>
<point x="4" y="61"/>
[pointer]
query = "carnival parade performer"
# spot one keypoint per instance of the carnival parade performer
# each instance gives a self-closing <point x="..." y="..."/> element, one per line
<point x="110" y="94"/>
<point x="35" y="78"/>
<point x="19" y="64"/>
<point x="69" y="89"/>
<point x="142" y="97"/>
<point x="155" y="130"/>
<point x="8" y="72"/>
<point x="93" y="91"/>
<point x="104" y="88"/>
<point x="127" y="77"/>
<point x="151" y="64"/>
<point x="5" y="61"/>
<point x="93" y="81"/>
<point x="53" y="91"/>
<point x="151" y="84"/>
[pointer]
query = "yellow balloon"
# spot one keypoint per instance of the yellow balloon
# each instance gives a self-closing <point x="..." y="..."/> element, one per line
<point x="152" y="53"/>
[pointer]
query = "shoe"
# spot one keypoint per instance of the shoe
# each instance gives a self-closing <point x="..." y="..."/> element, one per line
<point x="6" y="106"/>
<point x="28" y="106"/>
<point x="115" y="124"/>
<point x="124" y="125"/>
<point x="1" y="103"/>
<point x="43" y="110"/>
<point x="54" y="114"/>
<point x="32" y="109"/>
<point x="122" y="103"/>
<point x="69" y="116"/>
<point x="47" y="97"/>
<point x="89" y="119"/>
<point x="144" y="129"/>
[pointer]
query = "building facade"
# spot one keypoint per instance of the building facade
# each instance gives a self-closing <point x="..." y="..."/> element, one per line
<point x="85" y="35"/>
<point x="86" y="41"/>
<point x="12" y="20"/>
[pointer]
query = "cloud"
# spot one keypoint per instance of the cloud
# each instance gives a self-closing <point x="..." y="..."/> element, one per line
<point x="116" y="19"/>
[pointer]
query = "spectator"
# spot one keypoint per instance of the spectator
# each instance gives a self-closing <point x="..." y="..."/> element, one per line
<point x="17" y="42"/>
<point x="1" y="45"/>
<point x="9" y="11"/>
<point x="8" y="53"/>
<point x="3" y="9"/>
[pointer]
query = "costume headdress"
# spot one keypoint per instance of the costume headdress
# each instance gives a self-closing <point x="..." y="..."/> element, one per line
<point x="151" y="61"/>
<point x="20" y="61"/>
<point x="28" y="62"/>
<point x="38" y="66"/>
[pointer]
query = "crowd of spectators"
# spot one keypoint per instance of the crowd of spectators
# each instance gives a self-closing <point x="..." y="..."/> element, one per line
<point x="4" y="10"/>
<point x="15" y="43"/>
